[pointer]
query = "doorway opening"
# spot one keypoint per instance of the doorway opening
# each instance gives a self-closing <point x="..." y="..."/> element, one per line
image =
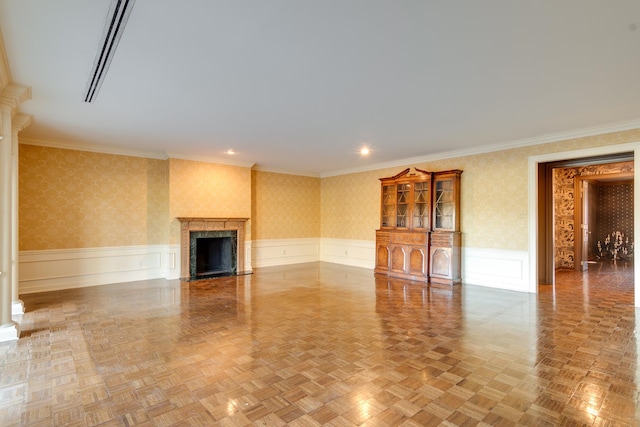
<point x="585" y="214"/>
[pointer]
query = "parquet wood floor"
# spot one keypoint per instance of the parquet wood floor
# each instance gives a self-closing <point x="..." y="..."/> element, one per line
<point x="324" y="344"/>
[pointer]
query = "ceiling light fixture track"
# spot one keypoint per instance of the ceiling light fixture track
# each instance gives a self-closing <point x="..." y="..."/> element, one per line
<point x="114" y="27"/>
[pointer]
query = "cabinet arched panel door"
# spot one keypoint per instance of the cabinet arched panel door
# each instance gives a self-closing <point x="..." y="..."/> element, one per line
<point x="382" y="257"/>
<point x="382" y="252"/>
<point x="417" y="261"/>
<point x="398" y="259"/>
<point x="441" y="262"/>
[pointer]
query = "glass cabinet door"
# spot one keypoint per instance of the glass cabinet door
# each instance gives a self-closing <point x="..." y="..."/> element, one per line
<point x="402" y="206"/>
<point x="421" y="204"/>
<point x="444" y="208"/>
<point x="388" y="206"/>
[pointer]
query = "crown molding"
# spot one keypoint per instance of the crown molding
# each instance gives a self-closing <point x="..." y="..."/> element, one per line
<point x="104" y="149"/>
<point x="93" y="148"/>
<point x="544" y="139"/>
<point x="206" y="159"/>
<point x="527" y="142"/>
<point x="286" y="172"/>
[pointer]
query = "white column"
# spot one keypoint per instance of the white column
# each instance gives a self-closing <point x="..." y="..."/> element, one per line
<point x="19" y="122"/>
<point x="9" y="330"/>
<point x="12" y="95"/>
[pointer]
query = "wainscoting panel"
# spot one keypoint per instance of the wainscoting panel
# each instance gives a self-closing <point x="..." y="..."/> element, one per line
<point x="49" y="270"/>
<point x="74" y="268"/>
<point x="268" y="253"/>
<point x="496" y="268"/>
<point x="357" y="253"/>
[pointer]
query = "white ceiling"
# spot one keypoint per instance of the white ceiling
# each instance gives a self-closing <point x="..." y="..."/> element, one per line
<point x="300" y="85"/>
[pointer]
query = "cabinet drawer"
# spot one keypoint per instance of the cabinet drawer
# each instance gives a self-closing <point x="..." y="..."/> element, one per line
<point x="382" y="236"/>
<point x="442" y="240"/>
<point x="409" y="238"/>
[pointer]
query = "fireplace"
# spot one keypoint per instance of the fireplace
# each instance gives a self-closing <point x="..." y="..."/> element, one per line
<point x="213" y="253"/>
<point x="211" y="247"/>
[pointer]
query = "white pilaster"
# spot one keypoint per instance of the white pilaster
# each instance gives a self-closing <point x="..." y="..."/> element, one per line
<point x="11" y="97"/>
<point x="8" y="328"/>
<point x="18" y="122"/>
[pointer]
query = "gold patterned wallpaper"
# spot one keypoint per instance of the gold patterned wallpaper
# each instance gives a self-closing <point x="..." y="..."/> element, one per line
<point x="78" y="199"/>
<point x="286" y="206"/>
<point x="350" y="203"/>
<point x="350" y="206"/>
<point x="199" y="189"/>
<point x="494" y="194"/>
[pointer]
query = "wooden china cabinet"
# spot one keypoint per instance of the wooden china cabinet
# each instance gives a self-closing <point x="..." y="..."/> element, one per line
<point x="419" y="236"/>
<point x="402" y="241"/>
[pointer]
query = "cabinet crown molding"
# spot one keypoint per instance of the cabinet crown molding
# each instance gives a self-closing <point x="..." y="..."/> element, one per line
<point x="405" y="173"/>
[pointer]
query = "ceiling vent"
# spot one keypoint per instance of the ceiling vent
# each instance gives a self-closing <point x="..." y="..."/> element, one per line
<point x="117" y="19"/>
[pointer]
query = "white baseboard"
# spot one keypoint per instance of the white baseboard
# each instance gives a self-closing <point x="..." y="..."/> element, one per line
<point x="50" y="270"/>
<point x="356" y="253"/>
<point x="496" y="268"/>
<point x="273" y="252"/>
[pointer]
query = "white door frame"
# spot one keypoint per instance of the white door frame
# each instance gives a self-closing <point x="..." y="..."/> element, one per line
<point x="633" y="147"/>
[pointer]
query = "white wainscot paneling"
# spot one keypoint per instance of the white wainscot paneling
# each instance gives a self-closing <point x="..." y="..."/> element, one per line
<point x="267" y="253"/>
<point x="357" y="253"/>
<point x="496" y="268"/>
<point x="75" y="268"/>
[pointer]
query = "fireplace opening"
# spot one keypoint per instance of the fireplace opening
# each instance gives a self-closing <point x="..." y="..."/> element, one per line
<point x="213" y="253"/>
<point x="213" y="256"/>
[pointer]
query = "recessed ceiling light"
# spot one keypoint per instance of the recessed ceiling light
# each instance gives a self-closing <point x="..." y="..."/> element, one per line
<point x="364" y="151"/>
<point x="230" y="152"/>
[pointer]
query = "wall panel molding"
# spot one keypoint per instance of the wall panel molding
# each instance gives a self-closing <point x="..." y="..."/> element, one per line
<point x="49" y="270"/>
<point x="356" y="253"/>
<point x="496" y="268"/>
<point x="272" y="252"/>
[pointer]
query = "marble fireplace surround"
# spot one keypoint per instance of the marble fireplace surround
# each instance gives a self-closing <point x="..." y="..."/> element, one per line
<point x="187" y="225"/>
